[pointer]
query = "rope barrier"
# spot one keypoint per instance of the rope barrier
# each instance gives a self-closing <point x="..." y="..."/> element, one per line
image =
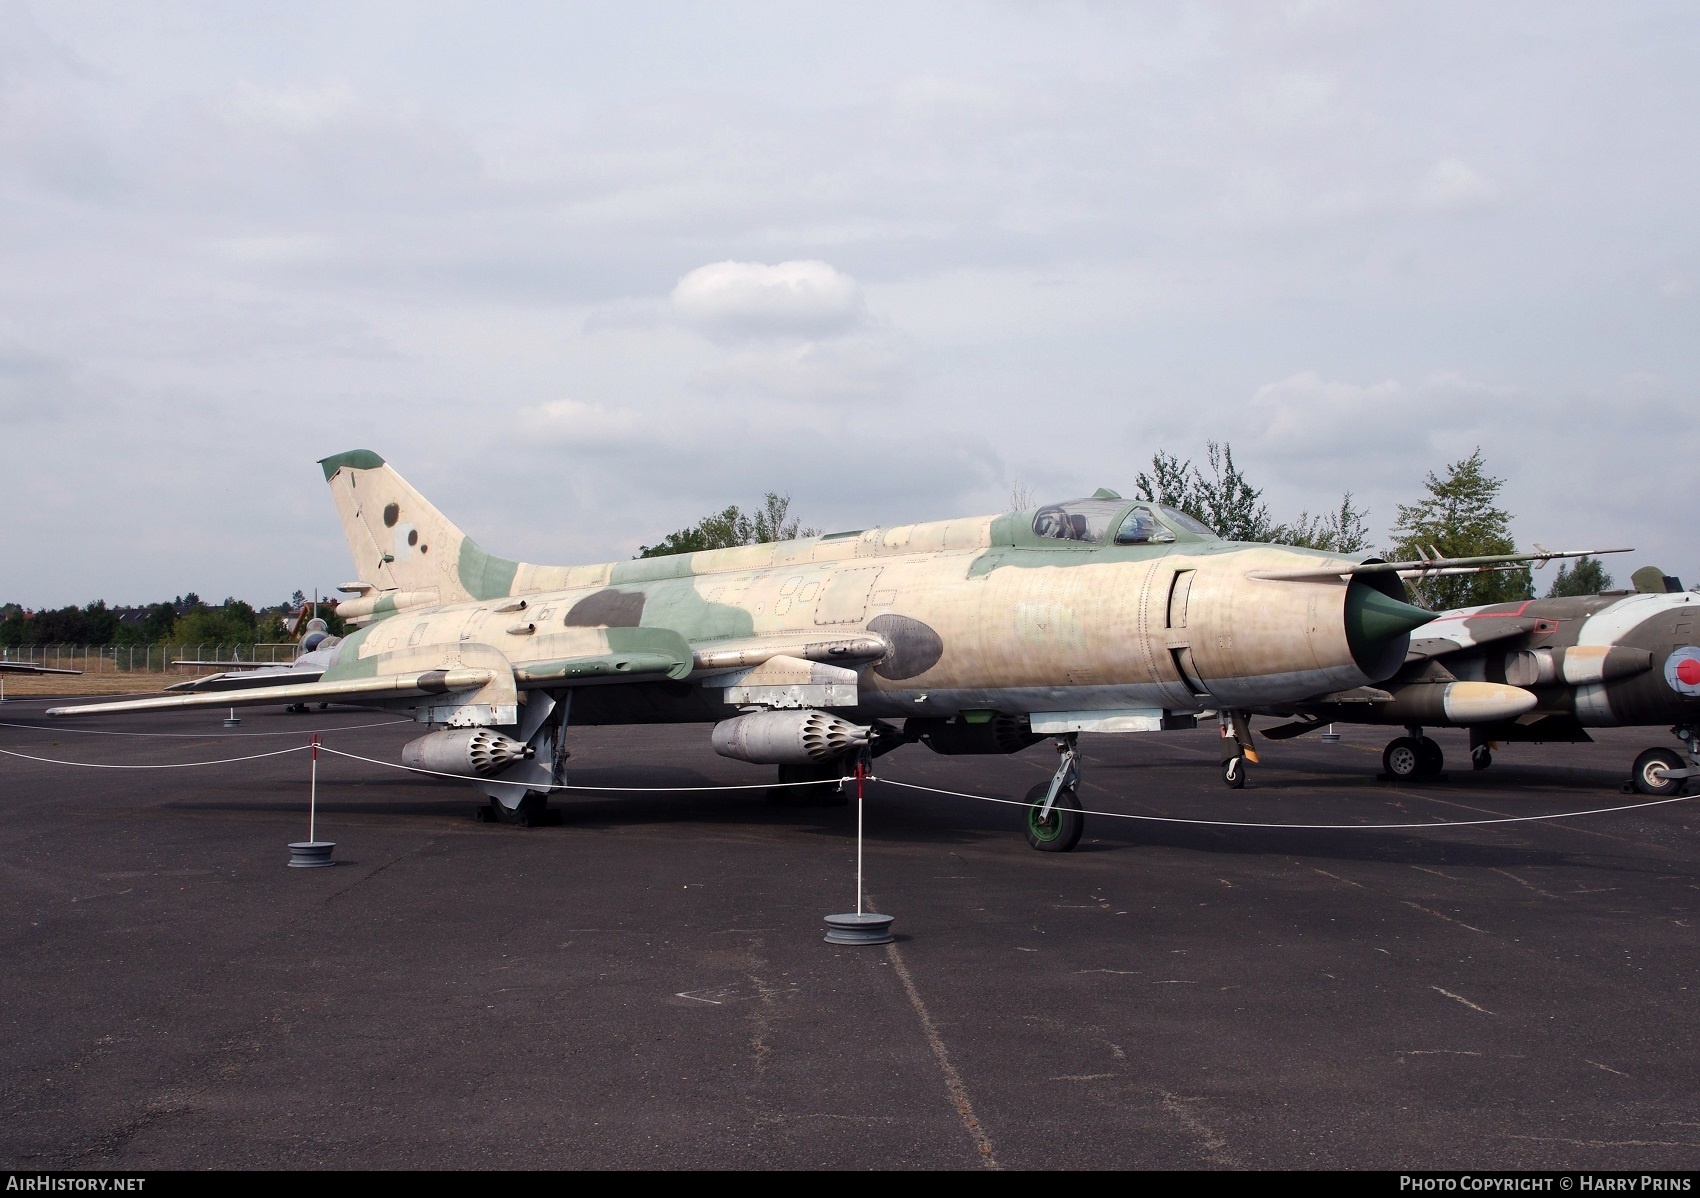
<point x="177" y="765"/>
<point x="1226" y="823"/>
<point x="959" y="794"/>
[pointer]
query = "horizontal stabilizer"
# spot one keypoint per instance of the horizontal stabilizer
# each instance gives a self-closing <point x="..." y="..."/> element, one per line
<point x="236" y="680"/>
<point x="26" y="667"/>
<point x="352" y="690"/>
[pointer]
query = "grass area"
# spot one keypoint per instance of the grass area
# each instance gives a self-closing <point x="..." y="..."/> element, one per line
<point x="25" y="686"/>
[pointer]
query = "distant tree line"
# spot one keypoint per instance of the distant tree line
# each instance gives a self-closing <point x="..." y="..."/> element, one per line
<point x="733" y="526"/>
<point x="185" y="620"/>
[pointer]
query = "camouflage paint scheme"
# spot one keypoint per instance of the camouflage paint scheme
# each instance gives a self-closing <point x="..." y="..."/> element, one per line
<point x="960" y="618"/>
<point x="1539" y="670"/>
<point x="979" y="613"/>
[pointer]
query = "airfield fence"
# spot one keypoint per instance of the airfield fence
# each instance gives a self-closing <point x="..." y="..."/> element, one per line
<point x="151" y="659"/>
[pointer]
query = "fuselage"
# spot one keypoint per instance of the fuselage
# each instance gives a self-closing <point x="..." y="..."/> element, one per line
<point x="982" y="613"/>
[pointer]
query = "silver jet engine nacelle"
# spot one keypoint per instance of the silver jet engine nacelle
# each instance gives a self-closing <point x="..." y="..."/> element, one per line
<point x="788" y="737"/>
<point x="470" y="752"/>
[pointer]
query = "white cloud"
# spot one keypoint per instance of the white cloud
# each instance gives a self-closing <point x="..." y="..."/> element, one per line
<point x="1452" y="185"/>
<point x="752" y="299"/>
<point x="856" y="368"/>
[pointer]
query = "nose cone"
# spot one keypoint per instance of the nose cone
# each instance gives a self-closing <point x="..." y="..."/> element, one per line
<point x="1372" y="617"/>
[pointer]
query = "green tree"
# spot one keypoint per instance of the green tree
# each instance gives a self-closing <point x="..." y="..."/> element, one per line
<point x="1584" y="576"/>
<point x="1460" y="518"/>
<point x="1225" y="501"/>
<point x="731" y="527"/>
<point x="236" y="623"/>
<point x="1171" y="483"/>
<point x="1228" y="503"/>
<point x="1340" y="531"/>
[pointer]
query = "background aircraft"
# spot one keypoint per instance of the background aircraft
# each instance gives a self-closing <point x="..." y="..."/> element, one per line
<point x="1539" y="670"/>
<point x="978" y="635"/>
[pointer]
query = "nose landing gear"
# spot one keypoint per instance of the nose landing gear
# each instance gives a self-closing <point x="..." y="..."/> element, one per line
<point x="1054" y="819"/>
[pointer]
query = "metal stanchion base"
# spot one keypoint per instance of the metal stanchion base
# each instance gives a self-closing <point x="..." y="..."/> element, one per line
<point x="231" y="721"/>
<point x="866" y="928"/>
<point x="311" y="854"/>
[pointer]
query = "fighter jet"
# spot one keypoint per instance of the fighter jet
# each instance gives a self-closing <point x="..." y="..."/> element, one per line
<point x="1539" y="670"/>
<point x="29" y="667"/>
<point x="978" y="635"/>
<point x="314" y="654"/>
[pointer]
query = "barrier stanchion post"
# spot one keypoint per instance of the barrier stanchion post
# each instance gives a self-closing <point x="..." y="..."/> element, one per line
<point x="863" y="927"/>
<point x="312" y="852"/>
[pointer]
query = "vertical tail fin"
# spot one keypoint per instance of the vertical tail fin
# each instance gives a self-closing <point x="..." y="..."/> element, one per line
<point x="400" y="542"/>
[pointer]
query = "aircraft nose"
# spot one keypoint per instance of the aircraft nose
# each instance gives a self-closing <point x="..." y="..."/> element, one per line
<point x="1372" y="617"/>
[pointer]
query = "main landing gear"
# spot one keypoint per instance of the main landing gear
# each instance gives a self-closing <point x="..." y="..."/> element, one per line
<point x="1417" y="757"/>
<point x="830" y="792"/>
<point x="1236" y="748"/>
<point x="1054" y="818"/>
<point x="1663" y="772"/>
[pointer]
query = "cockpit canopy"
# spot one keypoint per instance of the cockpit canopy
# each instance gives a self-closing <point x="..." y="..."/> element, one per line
<point x="1094" y="522"/>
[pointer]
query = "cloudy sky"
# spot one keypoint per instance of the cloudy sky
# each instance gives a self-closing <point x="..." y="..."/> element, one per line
<point x="583" y="273"/>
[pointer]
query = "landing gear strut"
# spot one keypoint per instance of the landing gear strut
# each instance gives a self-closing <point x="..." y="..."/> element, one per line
<point x="1481" y="750"/>
<point x="830" y="792"/>
<point x="1236" y="748"/>
<point x="1663" y="772"/>
<point x="1414" y="757"/>
<point x="1054" y="818"/>
<point x="543" y="726"/>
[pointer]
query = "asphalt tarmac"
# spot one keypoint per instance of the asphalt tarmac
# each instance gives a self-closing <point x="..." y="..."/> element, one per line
<point x="646" y="985"/>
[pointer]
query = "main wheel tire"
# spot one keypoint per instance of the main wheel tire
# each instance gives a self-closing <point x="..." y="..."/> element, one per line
<point x="1402" y="758"/>
<point x="1649" y="776"/>
<point x="827" y="794"/>
<point x="1060" y="829"/>
<point x="1234" y="772"/>
<point x="1430" y="759"/>
<point x="1480" y="757"/>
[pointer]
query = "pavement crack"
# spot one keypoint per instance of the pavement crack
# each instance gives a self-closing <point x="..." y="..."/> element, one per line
<point x="1447" y="918"/>
<point x="1185" y="1112"/>
<point x="952" y="1079"/>
<point x="1462" y="999"/>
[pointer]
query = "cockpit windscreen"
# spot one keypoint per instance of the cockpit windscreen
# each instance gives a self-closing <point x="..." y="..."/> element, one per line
<point x="1085" y="520"/>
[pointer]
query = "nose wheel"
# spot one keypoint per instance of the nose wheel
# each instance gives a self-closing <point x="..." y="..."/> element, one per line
<point x="1055" y="826"/>
<point x="1054" y="820"/>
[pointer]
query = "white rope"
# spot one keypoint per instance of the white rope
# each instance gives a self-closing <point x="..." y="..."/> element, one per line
<point x="55" y="730"/>
<point x="548" y="786"/>
<point x="178" y="765"/>
<point x="958" y="794"/>
<point x="1226" y="823"/>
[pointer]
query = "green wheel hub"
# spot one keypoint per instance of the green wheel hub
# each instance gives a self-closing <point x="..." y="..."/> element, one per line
<point x="1046" y="827"/>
